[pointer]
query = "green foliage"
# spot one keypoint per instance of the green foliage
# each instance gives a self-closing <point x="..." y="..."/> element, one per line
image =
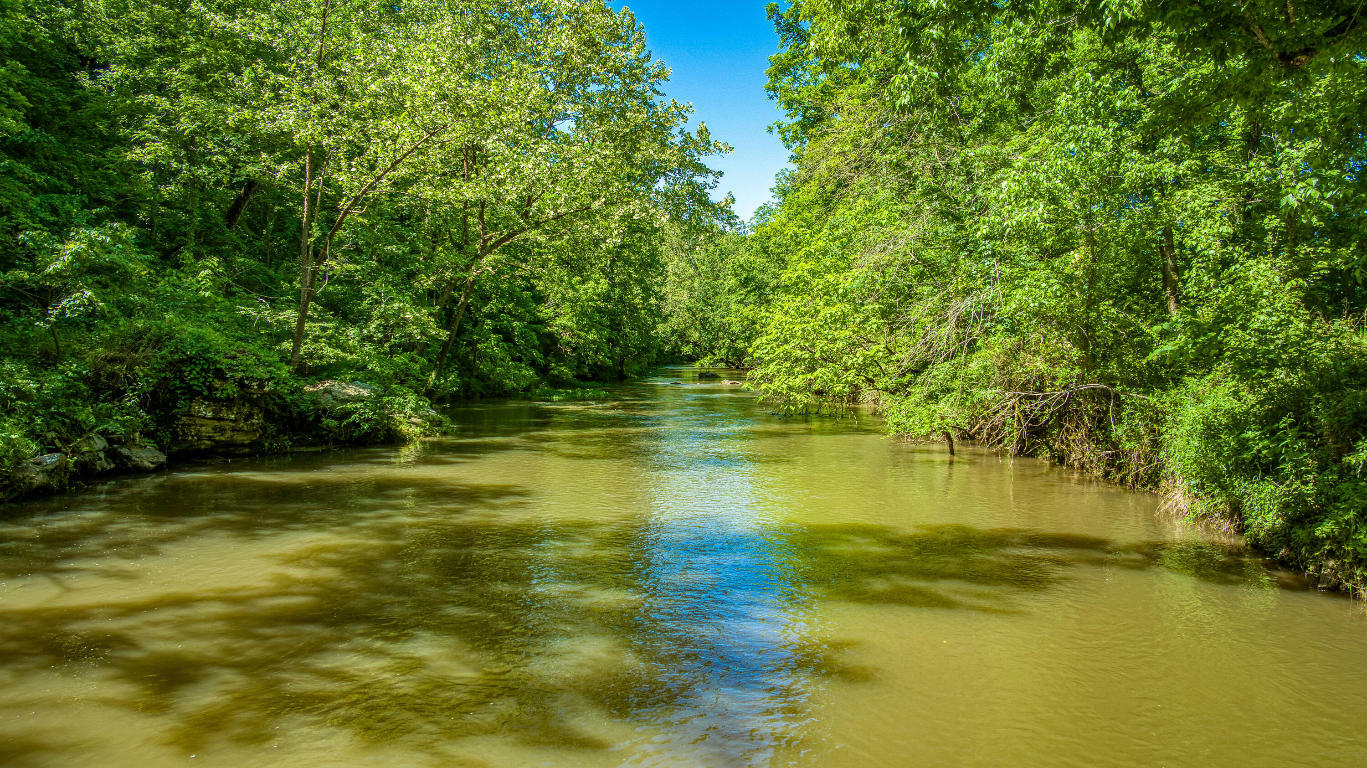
<point x="715" y="283"/>
<point x="586" y="392"/>
<point x="389" y="417"/>
<point x="227" y="201"/>
<point x="50" y="407"/>
<point x="169" y="363"/>
<point x="1123" y="235"/>
<point x="1281" y="446"/>
<point x="15" y="444"/>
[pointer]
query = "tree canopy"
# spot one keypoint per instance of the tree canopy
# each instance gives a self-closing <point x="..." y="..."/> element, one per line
<point x="1128" y="236"/>
<point x="449" y="199"/>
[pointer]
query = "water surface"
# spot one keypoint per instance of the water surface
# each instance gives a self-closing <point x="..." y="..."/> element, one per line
<point x="668" y="576"/>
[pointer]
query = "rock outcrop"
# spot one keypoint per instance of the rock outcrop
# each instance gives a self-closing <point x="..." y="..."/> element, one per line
<point x="222" y="427"/>
<point x="87" y="458"/>
<point x="330" y="393"/>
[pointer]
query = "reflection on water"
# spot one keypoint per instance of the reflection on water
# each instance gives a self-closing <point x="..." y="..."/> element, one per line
<point x="670" y="577"/>
<point x="726" y="618"/>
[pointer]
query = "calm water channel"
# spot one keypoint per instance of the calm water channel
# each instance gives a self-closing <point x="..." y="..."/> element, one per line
<point x="672" y="577"/>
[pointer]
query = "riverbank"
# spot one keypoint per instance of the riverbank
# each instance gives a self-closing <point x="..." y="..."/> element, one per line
<point x="253" y="421"/>
<point x="1080" y="439"/>
<point x="1290" y="544"/>
<point x="291" y="416"/>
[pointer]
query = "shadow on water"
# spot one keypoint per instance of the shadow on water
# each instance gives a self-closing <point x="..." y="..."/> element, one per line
<point x="414" y="607"/>
<point x="245" y="505"/>
<point x="424" y="623"/>
<point x="926" y="567"/>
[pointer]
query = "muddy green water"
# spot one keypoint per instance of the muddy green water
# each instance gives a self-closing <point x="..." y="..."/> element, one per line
<point x="670" y="577"/>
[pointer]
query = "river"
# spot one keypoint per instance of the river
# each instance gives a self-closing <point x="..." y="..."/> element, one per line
<point x="666" y="576"/>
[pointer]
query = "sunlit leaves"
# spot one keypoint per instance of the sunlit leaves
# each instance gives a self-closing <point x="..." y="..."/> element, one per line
<point x="1115" y="232"/>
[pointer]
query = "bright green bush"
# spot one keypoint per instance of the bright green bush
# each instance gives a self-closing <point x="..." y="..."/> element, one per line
<point x="1282" y="454"/>
<point x="16" y="446"/>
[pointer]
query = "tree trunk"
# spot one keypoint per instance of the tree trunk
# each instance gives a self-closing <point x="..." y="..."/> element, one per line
<point x="301" y="321"/>
<point x="239" y="206"/>
<point x="308" y="264"/>
<point x="267" y="247"/>
<point x="949" y="440"/>
<point x="1171" y="284"/>
<point x="452" y="329"/>
<point x="305" y="263"/>
<point x="192" y="226"/>
<point x="446" y="294"/>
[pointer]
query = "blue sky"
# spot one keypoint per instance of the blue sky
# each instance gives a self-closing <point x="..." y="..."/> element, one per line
<point x="718" y="52"/>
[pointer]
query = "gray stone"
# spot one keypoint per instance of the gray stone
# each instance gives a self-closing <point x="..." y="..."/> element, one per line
<point x="50" y="462"/>
<point x="41" y="475"/>
<point x="329" y="393"/>
<point x="90" y="444"/>
<point x="141" y="458"/>
<point x="91" y="455"/>
<point x="98" y="463"/>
